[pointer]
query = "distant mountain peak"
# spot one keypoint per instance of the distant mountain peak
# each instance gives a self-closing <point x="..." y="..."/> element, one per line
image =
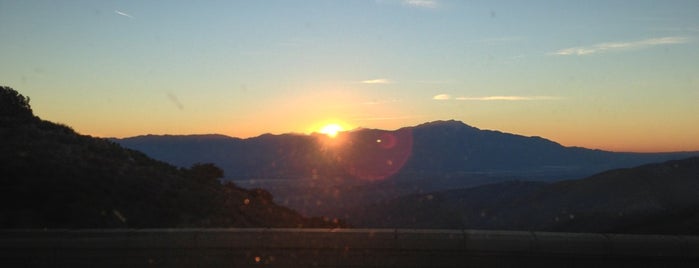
<point x="446" y="123"/>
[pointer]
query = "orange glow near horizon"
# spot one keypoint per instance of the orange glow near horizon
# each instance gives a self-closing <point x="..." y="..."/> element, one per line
<point x="331" y="130"/>
<point x="617" y="140"/>
<point x="608" y="135"/>
<point x="330" y="127"/>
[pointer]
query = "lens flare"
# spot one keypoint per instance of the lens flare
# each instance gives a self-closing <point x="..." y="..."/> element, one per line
<point x="377" y="155"/>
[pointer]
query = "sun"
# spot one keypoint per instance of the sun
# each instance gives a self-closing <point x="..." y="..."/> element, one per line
<point x="331" y="130"/>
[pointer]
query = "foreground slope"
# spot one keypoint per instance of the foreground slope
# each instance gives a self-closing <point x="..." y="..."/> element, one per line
<point x="52" y="177"/>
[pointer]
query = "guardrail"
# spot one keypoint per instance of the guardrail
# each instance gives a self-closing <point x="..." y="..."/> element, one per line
<point x="340" y="248"/>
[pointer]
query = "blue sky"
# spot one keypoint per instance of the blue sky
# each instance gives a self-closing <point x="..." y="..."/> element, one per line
<point x="617" y="75"/>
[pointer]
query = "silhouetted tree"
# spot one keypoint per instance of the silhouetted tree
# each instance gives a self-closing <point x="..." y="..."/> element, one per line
<point x="13" y="104"/>
<point x="205" y="172"/>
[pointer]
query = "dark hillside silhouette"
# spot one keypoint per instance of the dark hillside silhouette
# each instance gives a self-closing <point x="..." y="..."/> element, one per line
<point x="13" y="104"/>
<point x="52" y="177"/>
<point x="658" y="198"/>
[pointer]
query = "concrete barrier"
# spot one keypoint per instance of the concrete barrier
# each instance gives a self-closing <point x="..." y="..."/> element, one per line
<point x="340" y="248"/>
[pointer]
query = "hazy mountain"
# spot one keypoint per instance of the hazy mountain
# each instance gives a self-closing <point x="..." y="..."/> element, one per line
<point x="653" y="198"/>
<point x="437" y="149"/>
<point x="52" y="177"/>
<point x="364" y="166"/>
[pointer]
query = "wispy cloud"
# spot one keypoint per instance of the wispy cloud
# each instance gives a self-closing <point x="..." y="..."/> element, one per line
<point x="616" y="46"/>
<point x="441" y="97"/>
<point x="421" y="3"/>
<point x="123" y="14"/>
<point x="377" y="81"/>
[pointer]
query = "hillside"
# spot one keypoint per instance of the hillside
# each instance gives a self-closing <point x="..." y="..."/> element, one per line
<point x="53" y="177"/>
<point x="653" y="198"/>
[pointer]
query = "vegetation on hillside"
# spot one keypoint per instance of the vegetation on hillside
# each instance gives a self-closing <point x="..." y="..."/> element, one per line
<point x="52" y="177"/>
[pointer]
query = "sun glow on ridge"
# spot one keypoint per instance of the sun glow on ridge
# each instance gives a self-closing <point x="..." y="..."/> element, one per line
<point x="331" y="130"/>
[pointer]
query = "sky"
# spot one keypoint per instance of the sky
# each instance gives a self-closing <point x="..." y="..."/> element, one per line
<point x="612" y="75"/>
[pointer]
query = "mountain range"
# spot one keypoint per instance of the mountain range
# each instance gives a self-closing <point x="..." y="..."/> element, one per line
<point x="442" y="174"/>
<point x="434" y="149"/>
<point x="319" y="175"/>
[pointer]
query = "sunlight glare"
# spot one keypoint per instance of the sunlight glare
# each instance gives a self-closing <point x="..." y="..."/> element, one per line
<point x="331" y="130"/>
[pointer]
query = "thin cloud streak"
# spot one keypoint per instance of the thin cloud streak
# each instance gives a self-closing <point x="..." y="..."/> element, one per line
<point x="441" y="97"/>
<point x="123" y="14"/>
<point x="616" y="46"/>
<point x="377" y="81"/>
<point x="421" y="3"/>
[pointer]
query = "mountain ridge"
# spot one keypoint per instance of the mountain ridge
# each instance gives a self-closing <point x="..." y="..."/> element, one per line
<point x="436" y="147"/>
<point x="317" y="175"/>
